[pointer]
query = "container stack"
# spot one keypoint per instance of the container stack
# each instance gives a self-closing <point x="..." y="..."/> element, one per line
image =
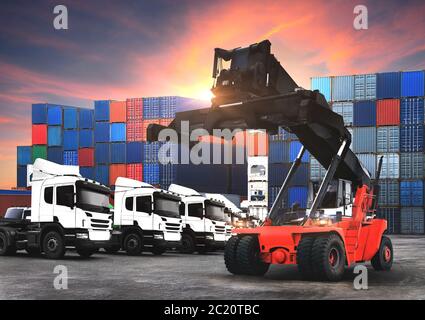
<point x="385" y="113"/>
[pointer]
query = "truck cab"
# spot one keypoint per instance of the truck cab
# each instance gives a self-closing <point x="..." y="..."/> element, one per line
<point x="204" y="221"/>
<point x="145" y="218"/>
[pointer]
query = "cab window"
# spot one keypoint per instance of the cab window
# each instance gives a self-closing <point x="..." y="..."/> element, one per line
<point x="129" y="203"/>
<point x="144" y="204"/>
<point x="65" y="196"/>
<point x="48" y="195"/>
<point x="195" y="210"/>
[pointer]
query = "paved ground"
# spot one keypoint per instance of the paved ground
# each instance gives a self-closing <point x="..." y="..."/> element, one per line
<point x="176" y="276"/>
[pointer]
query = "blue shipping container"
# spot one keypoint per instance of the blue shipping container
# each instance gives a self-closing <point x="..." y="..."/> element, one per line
<point x="102" y="153"/>
<point x="55" y="154"/>
<point x="412" y="138"/>
<point x="412" y="84"/>
<point x="21" y="177"/>
<point x="118" y="132"/>
<point x="39" y="113"/>
<point x="86" y="119"/>
<point x="87" y="172"/>
<point x="135" y="152"/>
<point x="167" y="175"/>
<point x="102" y="132"/>
<point x="24" y="155"/>
<point x="102" y="174"/>
<point x="86" y="138"/>
<point x="239" y="179"/>
<point x="412" y="193"/>
<point x="298" y="195"/>
<point x="214" y="177"/>
<point x="412" y="111"/>
<point x="70" y="158"/>
<point x="118" y="152"/>
<point x="343" y="88"/>
<point x="54" y="115"/>
<point x="151" y="151"/>
<point x="364" y="113"/>
<point x="70" y="140"/>
<point x="151" y="173"/>
<point x="54" y="136"/>
<point x="279" y="171"/>
<point x="278" y="151"/>
<point x="101" y="110"/>
<point x="294" y="149"/>
<point x="70" y="118"/>
<point x="151" y="108"/>
<point x="323" y="84"/>
<point x="388" y="85"/>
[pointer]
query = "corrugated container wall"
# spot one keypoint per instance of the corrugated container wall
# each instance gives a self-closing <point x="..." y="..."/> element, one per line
<point x="388" y="85"/>
<point x="134" y="109"/>
<point x="102" y="174"/>
<point x="389" y="193"/>
<point x="135" y="171"/>
<point x="388" y="139"/>
<point x="342" y="88"/>
<point x="412" y="220"/>
<point x="345" y="109"/>
<point x="86" y="157"/>
<point x="279" y="151"/>
<point x="388" y="112"/>
<point x="364" y="139"/>
<point x="54" y="115"/>
<point x="118" y="132"/>
<point x="39" y="134"/>
<point x="412" y="165"/>
<point x="412" y="193"/>
<point x="151" y="108"/>
<point x="369" y="162"/>
<point x="364" y="113"/>
<point x="412" y="84"/>
<point x="167" y="175"/>
<point x="412" y="138"/>
<point x="39" y="152"/>
<point x="102" y="153"/>
<point x="298" y="195"/>
<point x="365" y="87"/>
<point x="86" y="119"/>
<point x="294" y="150"/>
<point x="390" y="165"/>
<point x="70" y="118"/>
<point x="24" y="155"/>
<point x="317" y="171"/>
<point x="70" y="140"/>
<point x="115" y="171"/>
<point x="21" y="177"/>
<point x="55" y="154"/>
<point x="118" y="111"/>
<point x="54" y="136"/>
<point x="86" y="138"/>
<point x="87" y="172"/>
<point x="101" y="110"/>
<point x="412" y="111"/>
<point x="392" y="215"/>
<point x="323" y="84"/>
<point x="118" y="152"/>
<point x="151" y="173"/>
<point x="102" y="132"/>
<point x="70" y="158"/>
<point x="135" y="152"/>
<point x="39" y="113"/>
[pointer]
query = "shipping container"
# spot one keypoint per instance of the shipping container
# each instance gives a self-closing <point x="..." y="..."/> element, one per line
<point x="39" y="113"/>
<point x="135" y="171"/>
<point x="102" y="131"/>
<point x="388" y="112"/>
<point x="364" y="140"/>
<point x="279" y="152"/>
<point x="86" y="119"/>
<point x="151" y="108"/>
<point x="412" y="138"/>
<point x="343" y="88"/>
<point x="272" y="195"/>
<point x="135" y="152"/>
<point x="86" y="157"/>
<point x="70" y="140"/>
<point x="87" y="172"/>
<point x="239" y="177"/>
<point x="54" y="115"/>
<point x="323" y="84"/>
<point x="134" y="109"/>
<point x="115" y="171"/>
<point x="39" y="134"/>
<point x="70" y="158"/>
<point x="118" y="132"/>
<point x="388" y="85"/>
<point x="257" y="144"/>
<point x="389" y="193"/>
<point x="412" y="165"/>
<point x="215" y="178"/>
<point x="168" y="107"/>
<point x="151" y="151"/>
<point x="39" y="152"/>
<point x="412" y="84"/>
<point x="345" y="109"/>
<point x="390" y="165"/>
<point x="279" y="171"/>
<point x="134" y="130"/>
<point x="24" y="155"/>
<point x="55" y="154"/>
<point x="298" y="195"/>
<point x="412" y="220"/>
<point x="167" y="175"/>
<point x="102" y="153"/>
<point x="365" y="87"/>
<point x="294" y="150"/>
<point x="86" y="138"/>
<point x="14" y="198"/>
<point x="412" y="193"/>
<point x="118" y="111"/>
<point x="151" y="173"/>
<point x="70" y="118"/>
<point x="165" y="121"/>
<point x="388" y="139"/>
<point x="145" y="125"/>
<point x="317" y="171"/>
<point x="364" y="113"/>
<point x="392" y="215"/>
<point x="412" y="111"/>
<point x="168" y="153"/>
<point x="118" y="152"/>
<point x="369" y="162"/>
<point x="101" y="110"/>
<point x="21" y="177"/>
<point x="102" y="174"/>
<point x="54" y="136"/>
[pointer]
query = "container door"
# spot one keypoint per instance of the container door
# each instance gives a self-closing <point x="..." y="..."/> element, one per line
<point x="64" y="209"/>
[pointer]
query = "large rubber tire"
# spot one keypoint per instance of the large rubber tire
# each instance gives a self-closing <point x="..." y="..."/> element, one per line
<point x="230" y="259"/>
<point x="6" y="250"/>
<point x="187" y="244"/>
<point x="248" y="257"/>
<point x="85" y="252"/>
<point x="133" y="244"/>
<point x="304" y="257"/>
<point x="157" y="251"/>
<point x="53" y="245"/>
<point x="383" y="259"/>
<point x="328" y="258"/>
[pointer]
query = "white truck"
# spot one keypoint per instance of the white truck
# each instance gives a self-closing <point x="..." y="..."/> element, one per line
<point x="204" y="221"/>
<point x="66" y="211"/>
<point x="145" y="218"/>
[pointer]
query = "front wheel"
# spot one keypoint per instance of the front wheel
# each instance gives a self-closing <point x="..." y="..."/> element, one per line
<point x="230" y="259"/>
<point x="133" y="244"/>
<point x="5" y="248"/>
<point x="248" y="257"/>
<point x="53" y="245"/>
<point x="383" y="259"/>
<point x="187" y="244"/>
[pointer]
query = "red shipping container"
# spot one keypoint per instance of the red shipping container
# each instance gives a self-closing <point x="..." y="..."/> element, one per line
<point x="86" y="157"/>
<point x="258" y="144"/>
<point x="134" y="130"/>
<point x="145" y="124"/>
<point x="39" y="134"/>
<point x="388" y="112"/>
<point x="118" y="111"/>
<point x="115" y="171"/>
<point x="13" y="199"/>
<point x="165" y="122"/>
<point x="135" y="171"/>
<point x="134" y="109"/>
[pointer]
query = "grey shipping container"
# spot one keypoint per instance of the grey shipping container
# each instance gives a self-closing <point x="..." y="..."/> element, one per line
<point x="345" y="109"/>
<point x="390" y="165"/>
<point x="369" y="162"/>
<point x="342" y="88"/>
<point x="365" y="87"/>
<point x="388" y="139"/>
<point x="412" y="220"/>
<point x="389" y="193"/>
<point x="412" y="165"/>
<point x="392" y="215"/>
<point x="364" y="140"/>
<point x="317" y="172"/>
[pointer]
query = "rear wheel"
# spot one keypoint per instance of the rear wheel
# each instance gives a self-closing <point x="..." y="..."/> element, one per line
<point x="53" y="245"/>
<point x="304" y="262"/>
<point x="230" y="259"/>
<point x="248" y="257"/>
<point x="133" y="244"/>
<point x="328" y="258"/>
<point x="187" y="244"/>
<point x="383" y="259"/>
<point x="5" y="248"/>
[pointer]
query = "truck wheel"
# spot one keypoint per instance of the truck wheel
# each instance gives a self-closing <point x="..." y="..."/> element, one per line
<point x="383" y="259"/>
<point x="33" y="252"/>
<point x="53" y="245"/>
<point x="188" y="245"/>
<point x="248" y="257"/>
<point x="133" y="244"/>
<point x="304" y="262"/>
<point x="6" y="250"/>
<point x="85" y="252"/>
<point x="328" y="258"/>
<point x="157" y="251"/>
<point x="230" y="259"/>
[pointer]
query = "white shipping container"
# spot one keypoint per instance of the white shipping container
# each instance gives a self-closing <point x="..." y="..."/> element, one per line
<point x="365" y="87"/>
<point x="388" y="139"/>
<point x="345" y="109"/>
<point x="412" y="165"/>
<point x="343" y="88"/>
<point x="364" y="140"/>
<point x="390" y="165"/>
<point x="368" y="160"/>
<point x="317" y="172"/>
<point x="412" y="220"/>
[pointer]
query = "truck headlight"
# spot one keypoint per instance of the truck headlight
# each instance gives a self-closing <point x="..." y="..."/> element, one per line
<point x="209" y="237"/>
<point x="82" y="235"/>
<point x="158" y="236"/>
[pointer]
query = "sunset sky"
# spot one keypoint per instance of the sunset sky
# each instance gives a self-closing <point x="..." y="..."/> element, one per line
<point x="120" y="49"/>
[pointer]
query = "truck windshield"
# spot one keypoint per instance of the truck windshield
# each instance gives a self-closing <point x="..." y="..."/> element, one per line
<point x="167" y="207"/>
<point x="92" y="200"/>
<point x="214" y="212"/>
<point x="13" y="213"/>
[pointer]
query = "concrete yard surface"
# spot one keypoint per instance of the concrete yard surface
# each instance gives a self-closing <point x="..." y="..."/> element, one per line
<point x="178" y="276"/>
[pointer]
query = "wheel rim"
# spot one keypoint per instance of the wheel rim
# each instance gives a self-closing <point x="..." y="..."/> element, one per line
<point x="52" y="244"/>
<point x="387" y="254"/>
<point x="132" y="243"/>
<point x="333" y="257"/>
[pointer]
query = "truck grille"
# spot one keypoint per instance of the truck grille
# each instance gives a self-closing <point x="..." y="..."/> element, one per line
<point x="219" y="229"/>
<point x="172" y="227"/>
<point x="100" y="224"/>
